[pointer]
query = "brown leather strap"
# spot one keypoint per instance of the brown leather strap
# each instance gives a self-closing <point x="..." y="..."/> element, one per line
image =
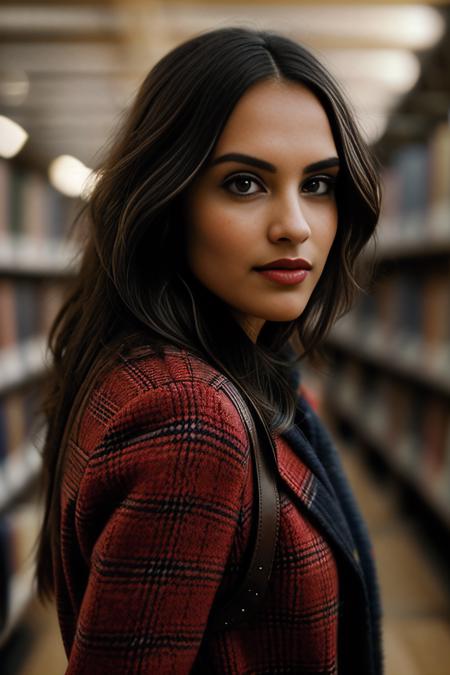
<point x="250" y="593"/>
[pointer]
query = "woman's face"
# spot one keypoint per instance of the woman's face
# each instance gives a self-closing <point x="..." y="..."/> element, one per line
<point x="259" y="199"/>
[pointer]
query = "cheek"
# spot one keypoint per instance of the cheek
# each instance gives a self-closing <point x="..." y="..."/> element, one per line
<point x="215" y="232"/>
<point x="323" y="234"/>
<point x="327" y="230"/>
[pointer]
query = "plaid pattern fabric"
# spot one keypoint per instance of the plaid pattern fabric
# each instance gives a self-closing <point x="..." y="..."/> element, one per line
<point x="155" y="528"/>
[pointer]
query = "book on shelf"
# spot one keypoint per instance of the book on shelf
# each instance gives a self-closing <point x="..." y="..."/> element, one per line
<point x="17" y="204"/>
<point x="5" y="173"/>
<point x="406" y="318"/>
<point x="397" y="398"/>
<point x="435" y="425"/>
<point x="23" y="526"/>
<point x="408" y="314"/>
<point x="412" y="165"/>
<point x="4" y="574"/>
<point x="12" y="404"/>
<point x="32" y="208"/>
<point x="409" y="426"/>
<point x="18" y="425"/>
<point x="34" y="223"/>
<point x="438" y="217"/>
<point x="35" y="209"/>
<point x="390" y="204"/>
<point x="27" y="308"/>
<point x="7" y="314"/>
<point x="435" y="330"/>
<point x="416" y="190"/>
<point x="19" y="521"/>
<point x="18" y="535"/>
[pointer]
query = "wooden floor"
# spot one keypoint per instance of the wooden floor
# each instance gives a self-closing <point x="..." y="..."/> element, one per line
<point x="414" y="587"/>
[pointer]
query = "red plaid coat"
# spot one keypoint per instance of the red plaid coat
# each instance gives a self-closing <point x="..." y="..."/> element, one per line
<point x="156" y="516"/>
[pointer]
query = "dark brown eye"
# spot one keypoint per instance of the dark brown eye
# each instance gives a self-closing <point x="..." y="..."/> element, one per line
<point x="241" y="184"/>
<point x="320" y="185"/>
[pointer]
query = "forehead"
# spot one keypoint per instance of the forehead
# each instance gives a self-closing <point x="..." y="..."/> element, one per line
<point x="278" y="119"/>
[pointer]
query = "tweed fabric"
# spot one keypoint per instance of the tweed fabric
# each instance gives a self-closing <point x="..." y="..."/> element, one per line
<point x="156" y="522"/>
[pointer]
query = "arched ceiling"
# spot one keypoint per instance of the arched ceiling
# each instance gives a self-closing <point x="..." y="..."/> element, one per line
<point x="68" y="70"/>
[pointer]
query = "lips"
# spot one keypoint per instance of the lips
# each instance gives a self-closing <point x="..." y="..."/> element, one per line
<point x="287" y="264"/>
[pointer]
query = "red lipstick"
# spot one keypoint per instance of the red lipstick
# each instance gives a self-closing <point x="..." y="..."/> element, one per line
<point x="286" y="264"/>
<point x="286" y="271"/>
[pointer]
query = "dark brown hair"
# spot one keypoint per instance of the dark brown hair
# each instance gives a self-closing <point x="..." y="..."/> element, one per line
<point x="129" y="292"/>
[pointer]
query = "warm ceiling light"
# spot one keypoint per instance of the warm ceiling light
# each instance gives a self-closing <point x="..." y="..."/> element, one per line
<point x="396" y="70"/>
<point x="12" y="137"/>
<point x="372" y="125"/>
<point x="410" y="26"/>
<point x="404" y="26"/>
<point x="70" y="176"/>
<point x="14" y="87"/>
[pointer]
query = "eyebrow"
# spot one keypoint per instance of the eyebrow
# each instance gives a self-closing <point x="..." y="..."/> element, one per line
<point x="266" y="166"/>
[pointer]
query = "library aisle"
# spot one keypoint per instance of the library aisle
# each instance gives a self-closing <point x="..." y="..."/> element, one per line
<point x="415" y="585"/>
<point x="68" y="73"/>
<point x="415" y="589"/>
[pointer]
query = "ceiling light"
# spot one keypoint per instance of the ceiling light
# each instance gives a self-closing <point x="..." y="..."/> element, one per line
<point x="12" y="137"/>
<point x="14" y="87"/>
<point x="405" y="26"/>
<point x="394" y="69"/>
<point x="71" y="177"/>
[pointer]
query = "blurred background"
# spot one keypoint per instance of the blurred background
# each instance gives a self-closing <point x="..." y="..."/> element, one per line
<point x="68" y="71"/>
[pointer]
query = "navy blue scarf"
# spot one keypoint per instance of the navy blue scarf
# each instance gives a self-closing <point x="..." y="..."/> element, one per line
<point x="337" y="511"/>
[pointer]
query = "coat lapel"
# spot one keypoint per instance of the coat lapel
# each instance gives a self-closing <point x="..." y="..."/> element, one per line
<point x="316" y="494"/>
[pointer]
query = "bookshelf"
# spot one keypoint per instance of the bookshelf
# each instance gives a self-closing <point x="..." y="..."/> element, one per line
<point x="390" y="356"/>
<point x="22" y="256"/>
<point x="35" y="262"/>
<point x="389" y="375"/>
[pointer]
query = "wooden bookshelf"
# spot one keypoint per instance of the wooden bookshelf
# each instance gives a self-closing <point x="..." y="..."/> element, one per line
<point x="21" y="363"/>
<point x="416" y="246"/>
<point x="17" y="475"/>
<point x="390" y="356"/>
<point x="26" y="256"/>
<point x="409" y="363"/>
<point x="401" y="459"/>
<point x="22" y="591"/>
<point x="35" y="263"/>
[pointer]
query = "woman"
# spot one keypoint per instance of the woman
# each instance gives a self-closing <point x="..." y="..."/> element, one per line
<point x="238" y="161"/>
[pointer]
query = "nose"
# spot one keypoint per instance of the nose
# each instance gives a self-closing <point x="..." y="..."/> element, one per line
<point x="288" y="220"/>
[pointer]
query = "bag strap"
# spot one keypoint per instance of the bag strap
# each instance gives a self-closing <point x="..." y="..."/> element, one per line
<point x="248" y="597"/>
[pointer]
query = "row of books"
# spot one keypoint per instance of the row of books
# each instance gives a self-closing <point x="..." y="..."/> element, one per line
<point x="30" y="207"/>
<point x="416" y="188"/>
<point x="18" y="532"/>
<point x="20" y="464"/>
<point x="21" y="256"/>
<point x="410" y="426"/>
<point x="18" y="410"/>
<point x="20" y="439"/>
<point x="407" y="315"/>
<point x="27" y="308"/>
<point x="35" y="258"/>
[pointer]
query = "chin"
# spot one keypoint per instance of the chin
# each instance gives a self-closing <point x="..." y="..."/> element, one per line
<point x="279" y="316"/>
<point x="286" y="313"/>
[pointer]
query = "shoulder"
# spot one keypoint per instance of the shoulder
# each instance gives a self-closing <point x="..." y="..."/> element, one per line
<point x="156" y="390"/>
<point x="169" y="443"/>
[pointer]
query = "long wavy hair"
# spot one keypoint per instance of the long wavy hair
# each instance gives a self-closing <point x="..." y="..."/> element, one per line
<point x="131" y="295"/>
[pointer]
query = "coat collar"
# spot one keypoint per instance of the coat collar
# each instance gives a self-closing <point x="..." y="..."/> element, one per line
<point x="317" y="494"/>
